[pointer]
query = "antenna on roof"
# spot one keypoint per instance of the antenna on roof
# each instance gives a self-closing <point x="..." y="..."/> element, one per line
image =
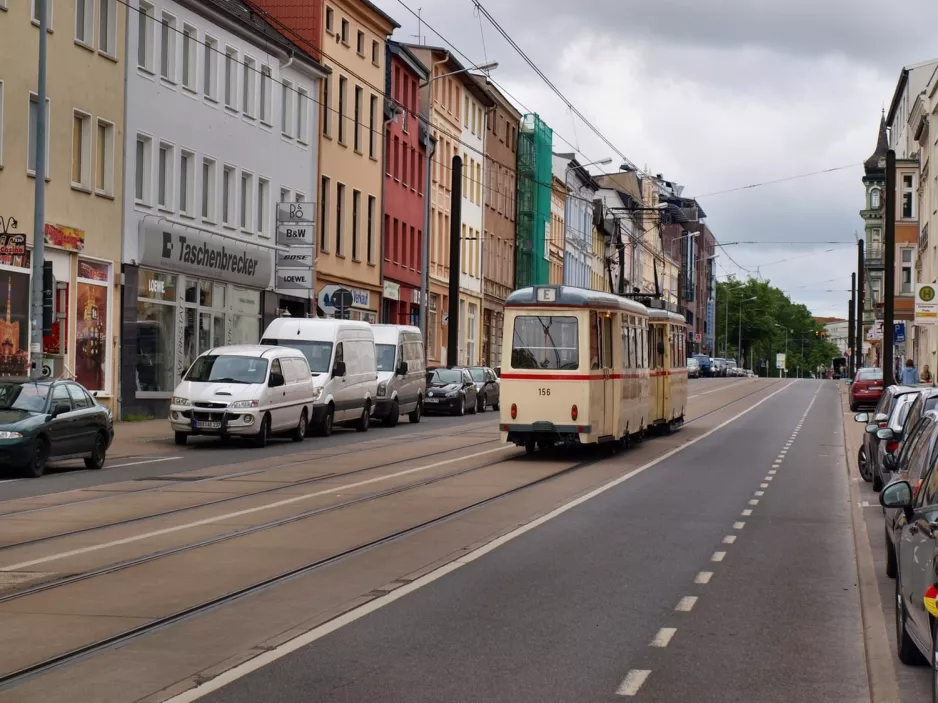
<point x="419" y="33"/>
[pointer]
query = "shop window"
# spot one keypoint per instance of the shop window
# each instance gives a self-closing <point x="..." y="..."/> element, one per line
<point x="92" y="324"/>
<point x="156" y="332"/>
<point x="246" y="318"/>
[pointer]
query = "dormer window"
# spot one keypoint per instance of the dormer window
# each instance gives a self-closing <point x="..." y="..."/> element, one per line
<point x="874" y="199"/>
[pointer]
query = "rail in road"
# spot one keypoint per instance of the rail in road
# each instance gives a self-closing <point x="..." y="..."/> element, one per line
<point x="102" y="585"/>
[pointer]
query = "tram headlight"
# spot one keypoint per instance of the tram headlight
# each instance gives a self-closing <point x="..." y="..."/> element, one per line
<point x="574" y="413"/>
<point x="514" y="411"/>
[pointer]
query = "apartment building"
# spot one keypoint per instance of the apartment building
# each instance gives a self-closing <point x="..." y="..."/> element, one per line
<point x="555" y="243"/>
<point x="578" y="219"/>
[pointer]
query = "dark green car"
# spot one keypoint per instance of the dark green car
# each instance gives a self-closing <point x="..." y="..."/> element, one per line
<point x="43" y="420"/>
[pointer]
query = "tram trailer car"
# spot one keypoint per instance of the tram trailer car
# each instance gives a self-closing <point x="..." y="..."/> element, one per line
<point x="575" y="368"/>
<point x="667" y="347"/>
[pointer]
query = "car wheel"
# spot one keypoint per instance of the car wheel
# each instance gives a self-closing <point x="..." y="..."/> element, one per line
<point x="180" y="438"/>
<point x="862" y="465"/>
<point x="461" y="410"/>
<point x="364" y="422"/>
<point x="37" y="462"/>
<point x="416" y="413"/>
<point x="263" y="434"/>
<point x="905" y="647"/>
<point x="475" y="406"/>
<point x="890" y="556"/>
<point x="394" y="416"/>
<point x="877" y="481"/>
<point x="496" y="407"/>
<point x="95" y="462"/>
<point x="483" y="402"/>
<point x="299" y="432"/>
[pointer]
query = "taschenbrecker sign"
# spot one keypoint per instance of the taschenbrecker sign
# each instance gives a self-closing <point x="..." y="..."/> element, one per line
<point x="185" y="250"/>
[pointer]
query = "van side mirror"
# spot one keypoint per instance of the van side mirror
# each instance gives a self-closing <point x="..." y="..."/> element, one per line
<point x="338" y="369"/>
<point x="61" y="409"/>
<point x="276" y="380"/>
<point x="402" y="369"/>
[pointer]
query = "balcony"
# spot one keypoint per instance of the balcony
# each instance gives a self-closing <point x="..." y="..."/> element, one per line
<point x="874" y="256"/>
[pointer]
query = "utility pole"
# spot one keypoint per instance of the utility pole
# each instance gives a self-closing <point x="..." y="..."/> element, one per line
<point x="861" y="303"/>
<point x="37" y="318"/>
<point x="889" y="256"/>
<point x="429" y="144"/>
<point x="455" y="229"/>
<point x="851" y="326"/>
<point x="850" y="332"/>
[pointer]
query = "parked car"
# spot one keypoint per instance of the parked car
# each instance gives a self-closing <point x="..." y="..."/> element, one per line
<point x="48" y="419"/>
<point x="488" y="390"/>
<point x="886" y="415"/>
<point x="693" y="367"/>
<point x="402" y="376"/>
<point x="866" y="388"/>
<point x="705" y="363"/>
<point x="917" y="557"/>
<point x="244" y="390"/>
<point x="341" y="356"/>
<point x="451" y="390"/>
<point x="731" y="368"/>
<point x="719" y="366"/>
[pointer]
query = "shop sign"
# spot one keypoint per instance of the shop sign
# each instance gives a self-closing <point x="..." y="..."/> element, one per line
<point x="294" y="279"/>
<point x="186" y="250"/>
<point x="295" y="235"/>
<point x="298" y="258"/>
<point x="926" y="304"/>
<point x="296" y="212"/>
<point x="392" y="291"/>
<point x="64" y="237"/>
<point x="360" y="298"/>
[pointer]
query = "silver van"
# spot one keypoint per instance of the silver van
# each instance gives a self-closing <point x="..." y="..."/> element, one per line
<point x="402" y="377"/>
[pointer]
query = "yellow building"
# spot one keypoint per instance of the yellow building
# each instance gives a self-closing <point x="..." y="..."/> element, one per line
<point x="82" y="232"/>
<point x="558" y="203"/>
<point x="599" y="279"/>
<point x="350" y="192"/>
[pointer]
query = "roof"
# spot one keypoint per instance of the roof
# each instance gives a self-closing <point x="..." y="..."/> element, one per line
<point x="882" y="148"/>
<point x="901" y="83"/>
<point x="570" y="296"/>
<point x="409" y="57"/>
<point x="500" y="99"/>
<point x="658" y="314"/>
<point x="245" y="350"/>
<point x="579" y="170"/>
<point x="381" y="13"/>
<point x="465" y="77"/>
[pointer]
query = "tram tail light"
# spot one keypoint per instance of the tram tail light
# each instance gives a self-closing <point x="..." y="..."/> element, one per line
<point x="514" y="411"/>
<point x="574" y="413"/>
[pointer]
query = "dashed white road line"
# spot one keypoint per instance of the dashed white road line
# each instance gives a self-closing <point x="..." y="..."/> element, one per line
<point x="760" y="493"/>
<point x="738" y="525"/>
<point x="663" y="637"/>
<point x="632" y="682"/>
<point x="768" y="478"/>
<point x="747" y="512"/>
<point x="754" y="501"/>
<point x="772" y="472"/>
<point x="718" y="556"/>
<point x="686" y="604"/>
<point x="729" y="539"/>
<point x="703" y="577"/>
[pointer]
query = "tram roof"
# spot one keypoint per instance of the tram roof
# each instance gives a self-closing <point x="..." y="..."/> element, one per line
<point x="570" y="296"/>
<point x="658" y="314"/>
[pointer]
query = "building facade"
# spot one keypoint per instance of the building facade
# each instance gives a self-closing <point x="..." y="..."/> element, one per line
<point x="83" y="186"/>
<point x="555" y="243"/>
<point x="925" y="337"/>
<point x="578" y="220"/>
<point x="221" y="126"/>
<point x="498" y="221"/>
<point x="404" y="186"/>
<point x="535" y="169"/>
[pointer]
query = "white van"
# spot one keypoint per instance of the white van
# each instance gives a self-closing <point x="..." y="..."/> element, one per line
<point x="242" y="390"/>
<point x="341" y="356"/>
<point x="402" y="375"/>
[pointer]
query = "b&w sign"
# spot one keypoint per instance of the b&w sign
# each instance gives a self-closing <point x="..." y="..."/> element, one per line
<point x="295" y="235"/>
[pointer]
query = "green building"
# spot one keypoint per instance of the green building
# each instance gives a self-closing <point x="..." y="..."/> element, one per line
<point x="535" y="163"/>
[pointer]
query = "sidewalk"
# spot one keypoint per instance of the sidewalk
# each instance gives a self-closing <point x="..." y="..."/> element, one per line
<point x="141" y="438"/>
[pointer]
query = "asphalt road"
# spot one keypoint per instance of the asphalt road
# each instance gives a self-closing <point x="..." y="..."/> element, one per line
<point x="725" y="572"/>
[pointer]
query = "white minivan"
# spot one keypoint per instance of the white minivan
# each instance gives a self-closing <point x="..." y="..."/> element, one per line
<point x="244" y="390"/>
<point x="402" y="373"/>
<point x="341" y="356"/>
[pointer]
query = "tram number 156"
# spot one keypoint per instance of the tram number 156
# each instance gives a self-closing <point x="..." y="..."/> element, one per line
<point x="543" y="391"/>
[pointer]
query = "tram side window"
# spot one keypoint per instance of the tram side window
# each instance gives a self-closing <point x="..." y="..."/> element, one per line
<point x="546" y="342"/>
<point x="626" y="357"/>
<point x="594" y="340"/>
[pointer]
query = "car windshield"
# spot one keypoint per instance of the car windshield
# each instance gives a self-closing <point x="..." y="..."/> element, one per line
<point x="228" y="369"/>
<point x="545" y="342"/>
<point x="446" y="376"/>
<point x="30" y="397"/>
<point x="318" y="354"/>
<point x="478" y="374"/>
<point x="386" y="354"/>
<point x="870" y="375"/>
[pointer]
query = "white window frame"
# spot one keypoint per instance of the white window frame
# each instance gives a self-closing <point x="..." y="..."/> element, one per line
<point x="287" y="105"/>
<point x="146" y="17"/>
<point x="166" y="180"/>
<point x="231" y="78"/>
<point x="266" y="89"/>
<point x="302" y="116"/>
<point x="187" y="209"/>
<point x="190" y="55"/>
<point x="210" y="68"/>
<point x="263" y="206"/>
<point x="84" y="182"/>
<point x="35" y="18"/>
<point x="207" y="204"/>
<point x="246" y="202"/>
<point x="84" y="24"/>
<point x="33" y="97"/>
<point x="230" y="192"/>
<point x="168" y="24"/>
<point x="107" y="155"/>
<point x="107" y="28"/>
<point x="249" y="88"/>
<point x="145" y="170"/>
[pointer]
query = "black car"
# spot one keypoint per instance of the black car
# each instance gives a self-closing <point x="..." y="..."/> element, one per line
<point x="487" y="387"/>
<point x="451" y="390"/>
<point x="870" y="452"/>
<point x="42" y="420"/>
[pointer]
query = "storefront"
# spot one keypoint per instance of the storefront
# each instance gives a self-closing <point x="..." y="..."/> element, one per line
<point x="365" y="302"/>
<point x="401" y="304"/>
<point x="190" y="290"/>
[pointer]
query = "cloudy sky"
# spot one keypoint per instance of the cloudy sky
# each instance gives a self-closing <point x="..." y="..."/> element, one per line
<point x="715" y="95"/>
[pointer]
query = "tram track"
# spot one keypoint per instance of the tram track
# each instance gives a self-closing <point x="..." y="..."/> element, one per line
<point x="286" y="486"/>
<point x="732" y="402"/>
<point x="18" y="676"/>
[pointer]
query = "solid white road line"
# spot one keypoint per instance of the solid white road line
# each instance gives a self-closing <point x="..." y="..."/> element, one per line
<point x="686" y="604"/>
<point x="632" y="682"/>
<point x="145" y="461"/>
<point x="738" y="525"/>
<point x="307" y="638"/>
<point x="663" y="637"/>
<point x="718" y="556"/>
<point x="729" y="539"/>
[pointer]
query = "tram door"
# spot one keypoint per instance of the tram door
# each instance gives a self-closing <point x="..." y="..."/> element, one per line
<point x="660" y="379"/>
<point x="601" y="351"/>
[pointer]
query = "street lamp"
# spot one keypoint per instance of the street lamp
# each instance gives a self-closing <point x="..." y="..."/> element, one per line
<point x="428" y="165"/>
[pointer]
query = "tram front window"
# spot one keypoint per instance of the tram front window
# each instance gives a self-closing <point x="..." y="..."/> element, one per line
<point x="545" y="342"/>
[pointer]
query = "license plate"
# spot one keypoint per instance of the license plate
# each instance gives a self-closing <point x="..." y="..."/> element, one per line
<point x="433" y="400"/>
<point x="875" y="388"/>
<point x="205" y="424"/>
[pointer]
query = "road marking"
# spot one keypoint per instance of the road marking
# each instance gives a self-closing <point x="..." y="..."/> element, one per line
<point x="663" y="637"/>
<point x="262" y="660"/>
<point x="632" y="682"/>
<point x="145" y="461"/>
<point x="759" y="493"/>
<point x="738" y="525"/>
<point x="865" y="504"/>
<point x="764" y="485"/>
<point x="783" y="452"/>
<point x="754" y="501"/>
<point x="772" y="472"/>
<point x="10" y="480"/>
<point x="239" y="513"/>
<point x="729" y="539"/>
<point x="768" y="478"/>
<point x="747" y="512"/>
<point x="686" y="604"/>
<point x="718" y="556"/>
